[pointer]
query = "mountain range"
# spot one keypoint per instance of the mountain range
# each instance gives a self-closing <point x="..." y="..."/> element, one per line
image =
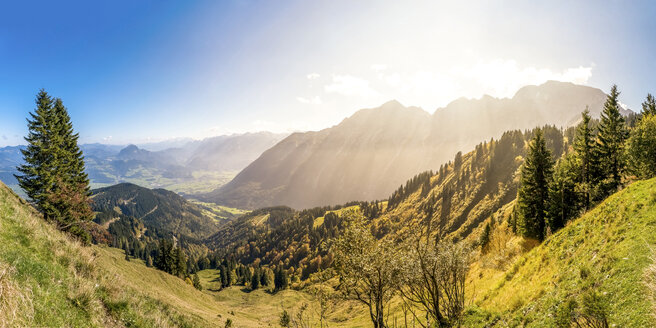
<point x="187" y="168"/>
<point x="371" y="153"/>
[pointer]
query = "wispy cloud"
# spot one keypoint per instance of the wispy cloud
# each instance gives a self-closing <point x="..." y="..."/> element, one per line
<point x="316" y="100"/>
<point x="313" y="76"/>
<point x="349" y="85"/>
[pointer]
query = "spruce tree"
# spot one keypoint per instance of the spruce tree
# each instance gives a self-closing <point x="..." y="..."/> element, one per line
<point x="280" y="279"/>
<point x="485" y="237"/>
<point x="533" y="193"/>
<point x="584" y="147"/>
<point x="127" y="253"/>
<point x="641" y="148"/>
<point x="72" y="161"/>
<point x="53" y="174"/>
<point x="224" y="277"/>
<point x="264" y="278"/>
<point x="180" y="263"/>
<point x="564" y="200"/>
<point x="255" y="280"/>
<point x="196" y="282"/>
<point x="649" y="106"/>
<point x="38" y="174"/>
<point x="612" y="134"/>
<point x="229" y="276"/>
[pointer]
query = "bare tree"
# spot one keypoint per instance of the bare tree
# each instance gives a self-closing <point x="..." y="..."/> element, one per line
<point x="369" y="269"/>
<point x="434" y="279"/>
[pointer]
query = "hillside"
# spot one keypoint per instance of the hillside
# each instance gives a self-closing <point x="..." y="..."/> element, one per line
<point x="48" y="280"/>
<point x="457" y="198"/>
<point x="368" y="155"/>
<point x="158" y="209"/>
<point x="608" y="251"/>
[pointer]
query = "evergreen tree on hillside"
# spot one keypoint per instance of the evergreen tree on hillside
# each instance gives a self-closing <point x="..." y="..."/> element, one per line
<point x="641" y="148"/>
<point x="196" y="282"/>
<point x="485" y="237"/>
<point x="255" y="280"/>
<point x="584" y="146"/>
<point x="224" y="277"/>
<point x="127" y="253"/>
<point x="72" y="161"/>
<point x="612" y="134"/>
<point x="649" y="106"/>
<point x="533" y="193"/>
<point x="180" y="263"/>
<point x="564" y="200"/>
<point x="53" y="174"/>
<point x="264" y="278"/>
<point x="280" y="280"/>
<point x="166" y="260"/>
<point x="38" y="172"/>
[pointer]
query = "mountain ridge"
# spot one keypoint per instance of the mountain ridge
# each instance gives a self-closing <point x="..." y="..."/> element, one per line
<point x="370" y="153"/>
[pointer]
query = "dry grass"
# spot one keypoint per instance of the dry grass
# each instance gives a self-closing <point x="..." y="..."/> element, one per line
<point x="650" y="281"/>
<point x="15" y="303"/>
<point x="47" y="279"/>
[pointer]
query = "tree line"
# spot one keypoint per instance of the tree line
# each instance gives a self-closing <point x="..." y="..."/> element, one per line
<point x="602" y="158"/>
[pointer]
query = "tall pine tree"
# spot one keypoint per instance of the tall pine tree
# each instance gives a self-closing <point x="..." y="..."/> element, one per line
<point x="72" y="161"/>
<point x="649" y="106"/>
<point x="53" y="174"/>
<point x="612" y="134"/>
<point x="37" y="176"/>
<point x="533" y="193"/>
<point x="584" y="147"/>
<point x="565" y="202"/>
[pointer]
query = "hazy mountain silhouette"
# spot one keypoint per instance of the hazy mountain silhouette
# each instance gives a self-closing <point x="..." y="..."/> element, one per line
<point x="369" y="154"/>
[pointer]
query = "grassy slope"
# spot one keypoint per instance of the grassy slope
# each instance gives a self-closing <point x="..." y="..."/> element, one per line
<point x="259" y="308"/>
<point x="609" y="249"/>
<point x="48" y="280"/>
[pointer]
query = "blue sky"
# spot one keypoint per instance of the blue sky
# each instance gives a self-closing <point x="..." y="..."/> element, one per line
<point x="139" y="71"/>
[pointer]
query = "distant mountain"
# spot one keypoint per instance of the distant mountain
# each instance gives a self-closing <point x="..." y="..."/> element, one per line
<point x="157" y="208"/>
<point x="194" y="166"/>
<point x="10" y="157"/>
<point x="231" y="153"/>
<point x="371" y="153"/>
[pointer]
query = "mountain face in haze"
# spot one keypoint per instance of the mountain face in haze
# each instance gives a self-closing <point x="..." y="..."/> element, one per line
<point x="368" y="155"/>
<point x="189" y="168"/>
<point x="231" y="153"/>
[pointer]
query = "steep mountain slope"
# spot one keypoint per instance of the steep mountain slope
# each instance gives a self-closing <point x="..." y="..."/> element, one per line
<point x="157" y="208"/>
<point x="456" y="200"/>
<point x="608" y="252"/>
<point x="369" y="154"/>
<point x="47" y="280"/>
